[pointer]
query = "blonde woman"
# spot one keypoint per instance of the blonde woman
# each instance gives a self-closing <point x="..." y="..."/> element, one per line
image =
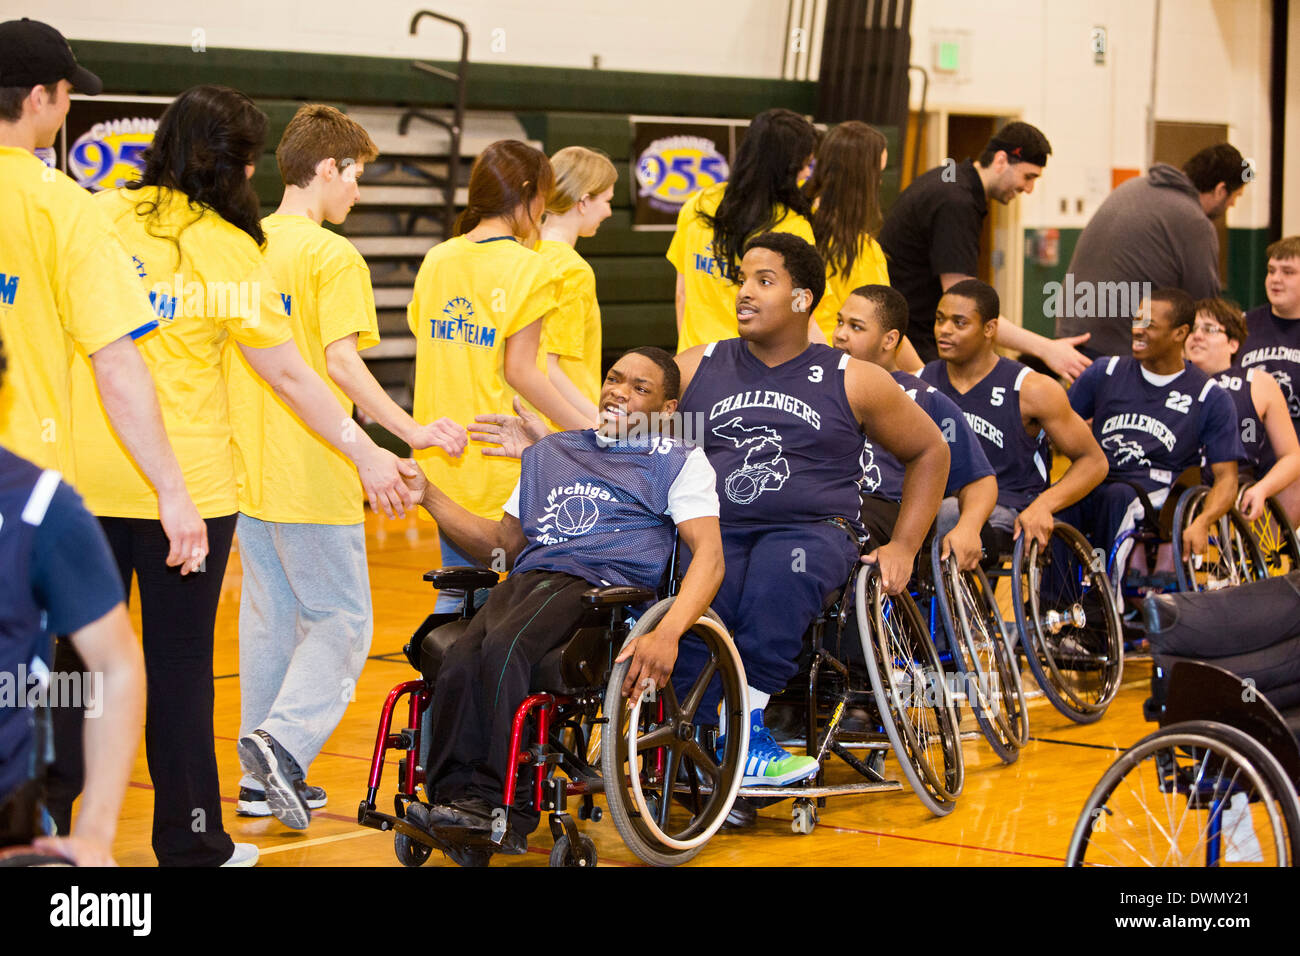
<point x="577" y="205"/>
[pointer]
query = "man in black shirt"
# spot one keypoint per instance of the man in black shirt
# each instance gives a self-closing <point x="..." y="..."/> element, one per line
<point x="931" y="238"/>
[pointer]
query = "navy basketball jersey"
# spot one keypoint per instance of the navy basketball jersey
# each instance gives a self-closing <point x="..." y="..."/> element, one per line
<point x="992" y="409"/>
<point x="883" y="473"/>
<point x="784" y="442"/>
<point x="598" y="511"/>
<point x="1152" y="433"/>
<point x="1274" y="345"/>
<point x="25" y="492"/>
<point x="1236" y="381"/>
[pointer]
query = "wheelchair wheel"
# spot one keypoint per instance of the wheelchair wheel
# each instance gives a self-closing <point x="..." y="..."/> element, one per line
<point x="1232" y="557"/>
<point x="1196" y="793"/>
<point x="1069" y="625"/>
<point x="911" y="691"/>
<point x="583" y="855"/>
<point x="968" y="607"/>
<point x="667" y="788"/>
<point x="1275" y="538"/>
<point x="410" y="852"/>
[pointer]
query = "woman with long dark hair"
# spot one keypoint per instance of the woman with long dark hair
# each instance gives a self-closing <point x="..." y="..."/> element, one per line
<point x="762" y="195"/>
<point x="191" y="226"/>
<point x="844" y="191"/>
<point x="477" y="310"/>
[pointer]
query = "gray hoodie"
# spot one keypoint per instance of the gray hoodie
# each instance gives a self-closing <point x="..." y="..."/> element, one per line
<point x="1151" y="229"/>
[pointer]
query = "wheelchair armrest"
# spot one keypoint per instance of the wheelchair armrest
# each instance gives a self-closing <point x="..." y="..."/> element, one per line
<point x="461" y="578"/>
<point x="616" y="596"/>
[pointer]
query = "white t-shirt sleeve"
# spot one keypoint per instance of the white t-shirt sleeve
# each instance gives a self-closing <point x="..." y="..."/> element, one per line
<point x="511" y="506"/>
<point x="694" y="493"/>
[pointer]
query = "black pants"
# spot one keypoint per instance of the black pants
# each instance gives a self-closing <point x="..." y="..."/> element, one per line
<point x="178" y="615"/>
<point x="484" y="677"/>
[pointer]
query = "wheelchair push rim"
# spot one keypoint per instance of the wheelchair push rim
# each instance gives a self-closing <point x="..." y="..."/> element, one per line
<point x="665" y="741"/>
<point x="1197" y="793"/>
<point x="1232" y="556"/>
<point x="982" y="649"/>
<point x="1081" y="607"/>
<point x="904" y="669"/>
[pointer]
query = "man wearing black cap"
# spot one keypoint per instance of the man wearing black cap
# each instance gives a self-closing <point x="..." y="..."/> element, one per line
<point x="67" y="284"/>
<point x="931" y="238"/>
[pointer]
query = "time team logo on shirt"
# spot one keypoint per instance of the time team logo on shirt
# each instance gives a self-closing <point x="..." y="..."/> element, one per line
<point x="457" y="325"/>
<point x="8" y="290"/>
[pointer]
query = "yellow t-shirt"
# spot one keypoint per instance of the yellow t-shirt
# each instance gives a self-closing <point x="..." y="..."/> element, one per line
<point x="869" y="268"/>
<point x="469" y="298"/>
<point x="286" y="472"/>
<point x="710" y="311"/>
<point x="65" y="283"/>
<point x="214" y="287"/>
<point x="573" y="331"/>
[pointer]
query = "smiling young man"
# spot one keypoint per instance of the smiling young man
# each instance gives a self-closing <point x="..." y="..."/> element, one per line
<point x="1012" y="409"/>
<point x="783" y="423"/>
<point x="592" y="508"/>
<point x="1274" y="332"/>
<point x="870" y="326"/>
<point x="305" y="623"/>
<point x="1155" y="414"/>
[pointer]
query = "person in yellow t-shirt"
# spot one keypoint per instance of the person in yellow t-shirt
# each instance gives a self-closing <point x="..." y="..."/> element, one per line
<point x="844" y="190"/>
<point x="713" y="226"/>
<point x="191" y="223"/>
<point x="67" y="285"/>
<point x="571" y="335"/>
<point x="477" y="310"/>
<point x="305" y="624"/>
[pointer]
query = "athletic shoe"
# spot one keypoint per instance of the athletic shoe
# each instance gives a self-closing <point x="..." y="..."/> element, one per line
<point x="245" y="854"/>
<point x="280" y="777"/>
<point x="768" y="764"/>
<point x="252" y="802"/>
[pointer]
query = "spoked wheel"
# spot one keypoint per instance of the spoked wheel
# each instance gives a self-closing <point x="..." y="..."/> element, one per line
<point x="1069" y="624"/>
<point x="982" y="651"/>
<point x="911" y="692"/>
<point x="1231" y="558"/>
<point x="666" y="787"/>
<point x="1275" y="538"/>
<point x="1192" y="794"/>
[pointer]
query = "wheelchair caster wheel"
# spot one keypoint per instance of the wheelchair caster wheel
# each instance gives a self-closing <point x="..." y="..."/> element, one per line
<point x="585" y="855"/>
<point x="409" y="852"/>
<point x="803" y="818"/>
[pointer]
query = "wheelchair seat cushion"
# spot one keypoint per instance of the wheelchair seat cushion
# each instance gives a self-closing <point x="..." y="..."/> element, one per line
<point x="435" y="645"/>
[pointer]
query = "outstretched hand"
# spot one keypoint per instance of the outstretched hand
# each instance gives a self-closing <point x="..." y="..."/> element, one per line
<point x="445" y="434"/>
<point x="510" y="434"/>
<point x="1064" y="359"/>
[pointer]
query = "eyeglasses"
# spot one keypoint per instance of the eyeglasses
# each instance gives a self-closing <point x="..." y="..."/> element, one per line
<point x="1209" y="330"/>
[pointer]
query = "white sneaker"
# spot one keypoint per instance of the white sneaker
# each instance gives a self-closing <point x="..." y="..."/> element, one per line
<point x="245" y="854"/>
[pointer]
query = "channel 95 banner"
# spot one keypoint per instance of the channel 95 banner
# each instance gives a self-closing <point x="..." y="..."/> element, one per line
<point x="673" y="158"/>
<point x="104" y="139"/>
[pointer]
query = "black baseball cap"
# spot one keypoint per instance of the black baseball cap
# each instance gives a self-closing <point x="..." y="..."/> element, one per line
<point x="35" y="54"/>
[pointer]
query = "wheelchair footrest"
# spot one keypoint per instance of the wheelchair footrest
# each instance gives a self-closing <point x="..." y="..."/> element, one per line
<point x="829" y="790"/>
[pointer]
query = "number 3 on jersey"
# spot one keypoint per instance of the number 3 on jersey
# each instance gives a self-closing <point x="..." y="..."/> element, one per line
<point x="814" y="373"/>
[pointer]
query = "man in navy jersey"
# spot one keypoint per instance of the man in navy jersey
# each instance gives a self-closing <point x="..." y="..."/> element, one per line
<point x="57" y="576"/>
<point x="1011" y="409"/>
<point x="782" y="422"/>
<point x="592" y="508"/>
<point x="1155" y="414"/>
<point x="870" y="326"/>
<point x="1274" y="331"/>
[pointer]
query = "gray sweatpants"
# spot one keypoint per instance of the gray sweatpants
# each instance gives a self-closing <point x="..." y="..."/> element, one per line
<point x="305" y="624"/>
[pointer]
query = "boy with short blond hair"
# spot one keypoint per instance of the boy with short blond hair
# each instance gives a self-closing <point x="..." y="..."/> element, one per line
<point x="1273" y="333"/>
<point x="305" y="618"/>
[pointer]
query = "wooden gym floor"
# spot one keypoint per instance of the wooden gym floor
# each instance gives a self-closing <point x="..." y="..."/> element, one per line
<point x="1018" y="815"/>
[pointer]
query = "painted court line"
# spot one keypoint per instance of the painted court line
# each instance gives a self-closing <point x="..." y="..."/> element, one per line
<point x="960" y="846"/>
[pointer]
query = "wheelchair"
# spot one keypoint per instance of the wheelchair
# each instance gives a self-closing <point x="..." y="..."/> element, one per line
<point x="577" y="736"/>
<point x="862" y="694"/>
<point x="1214" y="786"/>
<point x="1275" y="538"/>
<point x="1231" y="558"/>
<point x="1067" y="627"/>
